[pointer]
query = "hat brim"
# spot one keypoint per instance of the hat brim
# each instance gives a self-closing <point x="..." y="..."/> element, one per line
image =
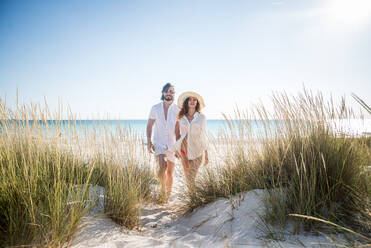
<point x="187" y="94"/>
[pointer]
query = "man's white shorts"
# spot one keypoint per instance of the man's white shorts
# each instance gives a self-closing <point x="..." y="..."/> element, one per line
<point x="169" y="155"/>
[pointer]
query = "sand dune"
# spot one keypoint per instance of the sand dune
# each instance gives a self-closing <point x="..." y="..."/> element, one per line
<point x="223" y="223"/>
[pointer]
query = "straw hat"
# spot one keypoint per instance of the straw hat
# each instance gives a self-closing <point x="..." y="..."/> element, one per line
<point x="187" y="94"/>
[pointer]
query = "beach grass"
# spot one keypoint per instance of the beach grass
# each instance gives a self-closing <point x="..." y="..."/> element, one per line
<point x="310" y="170"/>
<point x="128" y="179"/>
<point x="38" y="199"/>
<point x="46" y="176"/>
<point x="308" y="166"/>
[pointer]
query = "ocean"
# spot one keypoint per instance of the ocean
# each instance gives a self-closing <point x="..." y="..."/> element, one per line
<point x="81" y="126"/>
<point x="138" y="127"/>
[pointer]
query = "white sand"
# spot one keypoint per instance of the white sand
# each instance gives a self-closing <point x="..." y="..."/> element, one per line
<point x="217" y="224"/>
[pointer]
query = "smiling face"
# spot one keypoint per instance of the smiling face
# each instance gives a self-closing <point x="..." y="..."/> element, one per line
<point x="169" y="94"/>
<point x="192" y="102"/>
<point x="189" y="103"/>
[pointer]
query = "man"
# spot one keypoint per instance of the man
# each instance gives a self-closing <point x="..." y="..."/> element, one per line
<point x="163" y="118"/>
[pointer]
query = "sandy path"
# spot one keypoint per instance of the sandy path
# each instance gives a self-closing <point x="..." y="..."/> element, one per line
<point x="97" y="230"/>
<point x="224" y="223"/>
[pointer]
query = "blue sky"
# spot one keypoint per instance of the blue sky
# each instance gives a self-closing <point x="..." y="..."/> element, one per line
<point x="111" y="58"/>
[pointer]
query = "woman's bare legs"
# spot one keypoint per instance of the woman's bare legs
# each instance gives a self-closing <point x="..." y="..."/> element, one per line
<point x="184" y="158"/>
<point x="190" y="168"/>
<point x="194" y="166"/>
<point x="185" y="165"/>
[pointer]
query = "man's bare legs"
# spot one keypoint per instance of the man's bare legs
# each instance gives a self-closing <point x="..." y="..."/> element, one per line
<point x="165" y="175"/>
<point x="162" y="172"/>
<point x="169" y="177"/>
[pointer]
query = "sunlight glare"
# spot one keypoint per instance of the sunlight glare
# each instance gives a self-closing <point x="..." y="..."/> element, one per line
<point x="349" y="12"/>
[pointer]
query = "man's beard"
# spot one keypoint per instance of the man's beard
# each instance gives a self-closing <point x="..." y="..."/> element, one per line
<point x="168" y="98"/>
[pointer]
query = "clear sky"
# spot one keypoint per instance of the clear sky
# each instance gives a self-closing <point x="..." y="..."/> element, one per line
<point x="113" y="57"/>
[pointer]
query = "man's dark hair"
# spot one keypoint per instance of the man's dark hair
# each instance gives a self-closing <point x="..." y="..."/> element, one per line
<point x="165" y="89"/>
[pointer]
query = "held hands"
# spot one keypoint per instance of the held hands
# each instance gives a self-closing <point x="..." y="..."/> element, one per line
<point x="206" y="158"/>
<point x="177" y="155"/>
<point x="150" y="147"/>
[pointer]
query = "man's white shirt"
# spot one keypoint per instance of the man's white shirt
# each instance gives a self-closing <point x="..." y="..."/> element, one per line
<point x="164" y="130"/>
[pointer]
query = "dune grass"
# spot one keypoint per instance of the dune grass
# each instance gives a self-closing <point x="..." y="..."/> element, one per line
<point x="48" y="167"/>
<point x="307" y="164"/>
<point x="128" y="178"/>
<point x="38" y="201"/>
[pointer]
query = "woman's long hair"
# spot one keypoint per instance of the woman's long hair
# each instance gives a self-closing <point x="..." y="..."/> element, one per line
<point x="184" y="110"/>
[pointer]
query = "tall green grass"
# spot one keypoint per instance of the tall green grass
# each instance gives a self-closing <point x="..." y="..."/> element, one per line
<point x="128" y="178"/>
<point x="46" y="177"/>
<point x="38" y="201"/>
<point x="309" y="168"/>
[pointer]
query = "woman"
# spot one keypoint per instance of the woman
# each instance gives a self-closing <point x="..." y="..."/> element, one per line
<point x="190" y="132"/>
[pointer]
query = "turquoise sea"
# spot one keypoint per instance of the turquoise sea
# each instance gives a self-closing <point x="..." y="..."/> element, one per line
<point x="215" y="127"/>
